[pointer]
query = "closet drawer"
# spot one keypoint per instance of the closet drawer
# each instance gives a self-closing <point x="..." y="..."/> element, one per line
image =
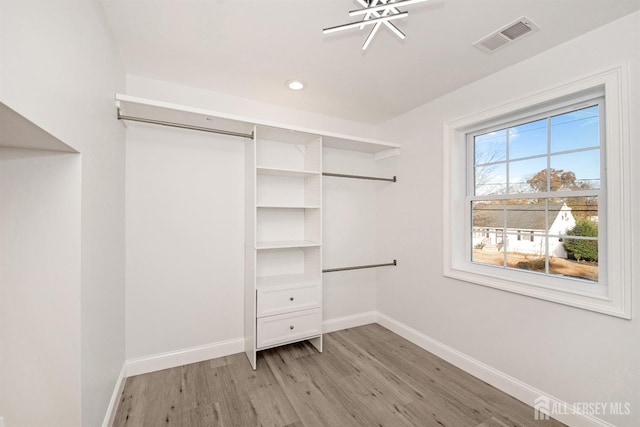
<point x="287" y="299"/>
<point x="288" y="327"/>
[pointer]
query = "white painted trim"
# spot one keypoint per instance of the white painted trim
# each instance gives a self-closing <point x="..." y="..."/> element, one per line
<point x="115" y="398"/>
<point x="345" y="322"/>
<point x="618" y="196"/>
<point x="506" y="383"/>
<point x="158" y="362"/>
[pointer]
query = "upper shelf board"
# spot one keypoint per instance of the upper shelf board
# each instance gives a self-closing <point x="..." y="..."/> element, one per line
<point x="192" y="116"/>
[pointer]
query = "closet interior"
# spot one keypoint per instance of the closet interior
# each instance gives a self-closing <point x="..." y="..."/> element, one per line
<point x="284" y="174"/>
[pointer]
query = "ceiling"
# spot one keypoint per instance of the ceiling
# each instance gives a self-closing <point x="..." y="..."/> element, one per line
<point x="250" y="48"/>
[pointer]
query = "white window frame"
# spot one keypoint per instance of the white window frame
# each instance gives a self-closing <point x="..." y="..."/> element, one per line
<point x="612" y="295"/>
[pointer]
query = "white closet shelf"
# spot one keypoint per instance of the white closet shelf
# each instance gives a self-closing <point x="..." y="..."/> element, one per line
<point x="285" y="172"/>
<point x="287" y="244"/>
<point x="159" y="111"/>
<point x="264" y="206"/>
<point x="285" y="281"/>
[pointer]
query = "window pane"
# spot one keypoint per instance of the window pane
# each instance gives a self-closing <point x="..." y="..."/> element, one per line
<point x="571" y="268"/>
<point x="490" y="179"/>
<point x="488" y="255"/>
<point x="490" y="147"/>
<point x="527" y="254"/>
<point x="560" y="218"/>
<point x="488" y="214"/>
<point x="575" y="130"/>
<point x="529" y="139"/>
<point x="488" y="232"/>
<point x="578" y="216"/>
<point x="526" y="216"/>
<point x="576" y="171"/>
<point x="528" y="176"/>
<point x="580" y="207"/>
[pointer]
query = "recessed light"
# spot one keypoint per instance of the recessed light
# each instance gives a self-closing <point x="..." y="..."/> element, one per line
<point x="295" y="85"/>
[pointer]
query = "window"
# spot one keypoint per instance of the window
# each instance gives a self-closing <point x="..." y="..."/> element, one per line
<point x="531" y="174"/>
<point x="546" y="175"/>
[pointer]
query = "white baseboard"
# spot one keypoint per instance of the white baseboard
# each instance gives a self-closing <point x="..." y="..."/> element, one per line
<point x="339" y="323"/>
<point x="115" y="398"/>
<point x="488" y="374"/>
<point x="158" y="362"/>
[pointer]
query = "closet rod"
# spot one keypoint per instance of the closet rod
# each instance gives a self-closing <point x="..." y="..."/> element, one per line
<point x="373" y="178"/>
<point x="358" y="267"/>
<point x="181" y="126"/>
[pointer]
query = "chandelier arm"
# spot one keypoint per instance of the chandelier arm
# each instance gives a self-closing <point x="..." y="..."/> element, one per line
<point x="395" y="4"/>
<point x="368" y="22"/>
<point x="373" y="32"/>
<point x="388" y="24"/>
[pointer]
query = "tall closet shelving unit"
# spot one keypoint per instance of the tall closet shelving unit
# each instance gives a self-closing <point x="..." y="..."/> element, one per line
<point x="283" y="260"/>
<point x="283" y="215"/>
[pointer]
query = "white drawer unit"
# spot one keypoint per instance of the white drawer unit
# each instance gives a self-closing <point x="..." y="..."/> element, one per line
<point x="272" y="301"/>
<point x="289" y="327"/>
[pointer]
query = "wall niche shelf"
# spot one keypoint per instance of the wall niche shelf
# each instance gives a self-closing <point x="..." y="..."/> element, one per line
<point x="20" y="132"/>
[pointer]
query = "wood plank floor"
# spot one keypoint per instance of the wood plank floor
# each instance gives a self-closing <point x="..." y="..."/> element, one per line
<point x="366" y="376"/>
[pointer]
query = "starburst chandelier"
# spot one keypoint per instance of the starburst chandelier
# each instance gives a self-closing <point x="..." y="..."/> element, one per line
<point x="376" y="13"/>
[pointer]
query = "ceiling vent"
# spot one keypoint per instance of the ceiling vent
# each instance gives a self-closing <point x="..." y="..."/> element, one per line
<point x="505" y="35"/>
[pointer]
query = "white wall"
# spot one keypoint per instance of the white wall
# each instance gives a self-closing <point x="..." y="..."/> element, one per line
<point x="572" y="354"/>
<point x="185" y="239"/>
<point x="196" y="97"/>
<point x="39" y="287"/>
<point x="349" y="234"/>
<point x="59" y="70"/>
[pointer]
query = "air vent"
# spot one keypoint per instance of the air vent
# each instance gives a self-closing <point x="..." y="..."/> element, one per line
<point x="505" y="35"/>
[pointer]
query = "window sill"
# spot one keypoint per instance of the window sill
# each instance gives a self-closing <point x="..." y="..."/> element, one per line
<point x="594" y="299"/>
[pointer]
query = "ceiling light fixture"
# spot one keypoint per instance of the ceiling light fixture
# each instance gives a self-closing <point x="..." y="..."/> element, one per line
<point x="376" y="13"/>
<point x="295" y="85"/>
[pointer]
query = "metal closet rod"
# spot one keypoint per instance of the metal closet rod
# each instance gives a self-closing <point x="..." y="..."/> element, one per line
<point x="181" y="126"/>
<point x="373" y="178"/>
<point x="359" y="267"/>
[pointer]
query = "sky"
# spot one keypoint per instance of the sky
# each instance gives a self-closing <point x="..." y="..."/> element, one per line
<point x="572" y="141"/>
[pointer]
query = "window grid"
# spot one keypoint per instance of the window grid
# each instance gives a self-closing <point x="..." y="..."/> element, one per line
<point x="510" y="192"/>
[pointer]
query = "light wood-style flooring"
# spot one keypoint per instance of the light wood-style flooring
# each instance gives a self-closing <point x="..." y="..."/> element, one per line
<point x="366" y="376"/>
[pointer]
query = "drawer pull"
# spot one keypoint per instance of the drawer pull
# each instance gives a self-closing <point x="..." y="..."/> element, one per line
<point x="290" y="298"/>
<point x="291" y="327"/>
